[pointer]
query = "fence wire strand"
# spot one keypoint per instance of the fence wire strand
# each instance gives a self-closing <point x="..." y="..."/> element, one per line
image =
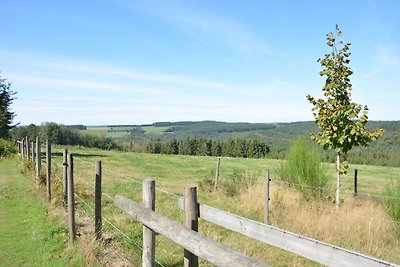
<point x="114" y="226"/>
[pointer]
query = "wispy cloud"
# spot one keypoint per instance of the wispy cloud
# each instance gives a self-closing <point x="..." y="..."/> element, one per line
<point x="202" y="23"/>
<point x="67" y="90"/>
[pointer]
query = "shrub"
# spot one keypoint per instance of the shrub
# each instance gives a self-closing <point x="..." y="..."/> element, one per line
<point x="303" y="170"/>
<point x="7" y="148"/>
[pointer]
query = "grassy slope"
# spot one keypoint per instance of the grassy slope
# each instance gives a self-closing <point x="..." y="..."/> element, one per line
<point x="28" y="237"/>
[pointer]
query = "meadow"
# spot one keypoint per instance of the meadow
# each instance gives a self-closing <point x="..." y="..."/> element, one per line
<point x="361" y="224"/>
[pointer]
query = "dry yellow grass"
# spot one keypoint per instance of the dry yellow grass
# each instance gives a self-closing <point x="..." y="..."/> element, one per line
<point x="360" y="224"/>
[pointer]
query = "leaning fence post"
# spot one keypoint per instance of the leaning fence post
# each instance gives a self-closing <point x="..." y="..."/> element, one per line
<point x="97" y="202"/>
<point x="149" y="241"/>
<point x="48" y="168"/>
<point x="190" y="220"/>
<point x="65" y="175"/>
<point x="71" y="199"/>
<point x="355" y="182"/>
<point x="267" y="198"/>
<point x="217" y="172"/>
<point x="38" y="159"/>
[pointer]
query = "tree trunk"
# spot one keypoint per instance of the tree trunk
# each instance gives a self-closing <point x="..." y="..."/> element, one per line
<point x="338" y="182"/>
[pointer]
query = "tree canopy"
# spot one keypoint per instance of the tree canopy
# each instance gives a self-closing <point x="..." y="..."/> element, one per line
<point x="341" y="121"/>
<point x="6" y="115"/>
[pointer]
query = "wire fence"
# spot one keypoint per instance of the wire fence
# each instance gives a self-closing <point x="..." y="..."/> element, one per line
<point x="78" y="178"/>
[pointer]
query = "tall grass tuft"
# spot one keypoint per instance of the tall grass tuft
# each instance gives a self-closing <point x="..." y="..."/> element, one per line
<point x="392" y="200"/>
<point x="238" y="181"/>
<point x="302" y="169"/>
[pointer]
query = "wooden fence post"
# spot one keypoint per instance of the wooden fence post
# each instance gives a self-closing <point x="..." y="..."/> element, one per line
<point x="217" y="172"/>
<point x="38" y="159"/>
<point x="48" y="168"/>
<point x="267" y="198"/>
<point x="149" y="241"/>
<point x="71" y="200"/>
<point x="27" y="148"/>
<point x="97" y="202"/>
<point x="355" y="182"/>
<point x="65" y="175"/>
<point x="23" y="148"/>
<point x="33" y="151"/>
<point x="190" y="220"/>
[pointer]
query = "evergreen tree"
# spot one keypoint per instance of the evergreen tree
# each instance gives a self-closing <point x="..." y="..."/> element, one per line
<point x="6" y="115"/>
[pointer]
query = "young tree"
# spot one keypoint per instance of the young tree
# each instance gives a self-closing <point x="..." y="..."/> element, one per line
<point x="341" y="121"/>
<point x="6" y="115"/>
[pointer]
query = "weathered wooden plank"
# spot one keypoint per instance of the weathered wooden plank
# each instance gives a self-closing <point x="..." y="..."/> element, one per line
<point x="191" y="221"/>
<point x="149" y="239"/>
<point x="309" y="248"/>
<point x="208" y="249"/>
<point x="38" y="159"/>
<point x="71" y="199"/>
<point x="48" y="168"/>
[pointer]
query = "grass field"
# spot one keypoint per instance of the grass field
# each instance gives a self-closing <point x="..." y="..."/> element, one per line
<point x="361" y="224"/>
<point x="28" y="236"/>
<point x="105" y="132"/>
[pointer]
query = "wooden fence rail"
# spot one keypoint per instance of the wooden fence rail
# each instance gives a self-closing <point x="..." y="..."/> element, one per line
<point x="206" y="248"/>
<point x="309" y="248"/>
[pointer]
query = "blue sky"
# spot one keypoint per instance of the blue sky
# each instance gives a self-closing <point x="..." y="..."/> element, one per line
<point x="133" y="62"/>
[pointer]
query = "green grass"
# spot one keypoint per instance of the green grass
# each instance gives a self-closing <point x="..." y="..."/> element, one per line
<point x="28" y="237"/>
<point x="156" y="130"/>
<point x="174" y="172"/>
<point x="123" y="131"/>
<point x="105" y="131"/>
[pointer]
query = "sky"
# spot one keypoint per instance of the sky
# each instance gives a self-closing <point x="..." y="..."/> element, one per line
<point x="109" y="62"/>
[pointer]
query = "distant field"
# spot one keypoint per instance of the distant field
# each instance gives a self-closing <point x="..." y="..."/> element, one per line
<point x="155" y="129"/>
<point x="362" y="224"/>
<point x="107" y="131"/>
<point x="122" y="131"/>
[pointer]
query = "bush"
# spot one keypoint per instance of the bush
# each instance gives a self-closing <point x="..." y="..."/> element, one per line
<point x="392" y="200"/>
<point x="302" y="169"/>
<point x="7" y="148"/>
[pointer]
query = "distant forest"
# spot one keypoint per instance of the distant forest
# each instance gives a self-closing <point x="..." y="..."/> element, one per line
<point x="214" y="138"/>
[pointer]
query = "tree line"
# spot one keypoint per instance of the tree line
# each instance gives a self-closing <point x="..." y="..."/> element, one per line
<point x="233" y="147"/>
<point x="63" y="135"/>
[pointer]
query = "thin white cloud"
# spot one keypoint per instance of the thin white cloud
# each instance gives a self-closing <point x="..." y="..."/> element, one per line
<point x="70" y="92"/>
<point x="197" y="21"/>
<point x="46" y="63"/>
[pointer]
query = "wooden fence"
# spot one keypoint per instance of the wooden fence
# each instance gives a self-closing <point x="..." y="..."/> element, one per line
<point x="206" y="248"/>
<point x="306" y="247"/>
<point x="194" y="244"/>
